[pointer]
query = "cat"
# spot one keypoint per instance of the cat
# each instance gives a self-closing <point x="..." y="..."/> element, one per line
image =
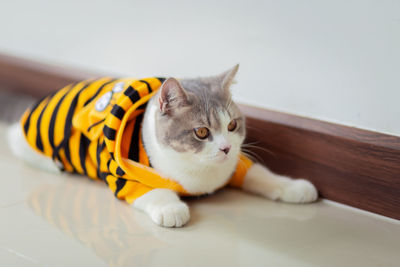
<point x="164" y="138"/>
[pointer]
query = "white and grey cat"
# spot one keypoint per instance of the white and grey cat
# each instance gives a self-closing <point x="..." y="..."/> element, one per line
<point x="200" y="165"/>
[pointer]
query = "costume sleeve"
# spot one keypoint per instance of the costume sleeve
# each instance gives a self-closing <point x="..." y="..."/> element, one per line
<point x="242" y="167"/>
<point x="126" y="189"/>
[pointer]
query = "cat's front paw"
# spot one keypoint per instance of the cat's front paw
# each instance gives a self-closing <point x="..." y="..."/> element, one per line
<point x="175" y="214"/>
<point x="299" y="191"/>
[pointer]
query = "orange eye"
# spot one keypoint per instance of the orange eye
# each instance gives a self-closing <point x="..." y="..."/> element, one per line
<point x="202" y="132"/>
<point x="232" y="125"/>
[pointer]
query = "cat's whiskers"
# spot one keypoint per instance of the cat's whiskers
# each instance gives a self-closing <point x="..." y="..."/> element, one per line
<point x="253" y="156"/>
<point x="254" y="145"/>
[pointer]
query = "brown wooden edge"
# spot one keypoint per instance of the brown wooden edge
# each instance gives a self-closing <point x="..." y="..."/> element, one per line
<point x="355" y="167"/>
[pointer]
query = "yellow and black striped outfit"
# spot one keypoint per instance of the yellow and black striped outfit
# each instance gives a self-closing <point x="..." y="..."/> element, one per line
<point x="94" y="128"/>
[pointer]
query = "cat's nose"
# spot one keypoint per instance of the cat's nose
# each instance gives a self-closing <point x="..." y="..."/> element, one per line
<point x="225" y="149"/>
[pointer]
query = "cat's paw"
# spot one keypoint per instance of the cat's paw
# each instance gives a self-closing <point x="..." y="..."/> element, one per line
<point x="175" y="214"/>
<point x="299" y="191"/>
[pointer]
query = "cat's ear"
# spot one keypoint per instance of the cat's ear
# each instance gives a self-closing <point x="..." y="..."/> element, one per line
<point x="227" y="78"/>
<point x="172" y="95"/>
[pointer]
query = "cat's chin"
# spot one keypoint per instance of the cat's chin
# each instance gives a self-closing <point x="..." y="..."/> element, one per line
<point x="217" y="161"/>
<point x="222" y="159"/>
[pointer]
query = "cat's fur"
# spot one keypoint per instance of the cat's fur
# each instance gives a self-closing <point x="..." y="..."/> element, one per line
<point x="200" y="166"/>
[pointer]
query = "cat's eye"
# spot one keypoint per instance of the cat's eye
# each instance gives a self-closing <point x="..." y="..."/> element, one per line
<point x="202" y="132"/>
<point x="232" y="125"/>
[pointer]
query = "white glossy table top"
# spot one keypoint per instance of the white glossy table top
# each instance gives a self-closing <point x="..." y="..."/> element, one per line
<point x="66" y="220"/>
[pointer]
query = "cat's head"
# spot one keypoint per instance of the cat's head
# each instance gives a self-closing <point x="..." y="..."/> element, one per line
<point x="197" y="117"/>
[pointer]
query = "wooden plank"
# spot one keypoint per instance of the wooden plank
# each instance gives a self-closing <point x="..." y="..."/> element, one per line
<point x="356" y="167"/>
<point x="35" y="78"/>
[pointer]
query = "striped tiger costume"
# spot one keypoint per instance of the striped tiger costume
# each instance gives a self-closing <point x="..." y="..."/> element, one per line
<point x="94" y="128"/>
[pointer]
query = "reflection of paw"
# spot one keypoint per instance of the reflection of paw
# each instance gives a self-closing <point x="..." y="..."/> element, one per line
<point x="299" y="191"/>
<point x="174" y="214"/>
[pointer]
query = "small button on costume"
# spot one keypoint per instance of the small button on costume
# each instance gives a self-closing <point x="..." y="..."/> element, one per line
<point x="94" y="128"/>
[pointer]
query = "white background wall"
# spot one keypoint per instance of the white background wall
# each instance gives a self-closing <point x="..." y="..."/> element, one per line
<point x="333" y="60"/>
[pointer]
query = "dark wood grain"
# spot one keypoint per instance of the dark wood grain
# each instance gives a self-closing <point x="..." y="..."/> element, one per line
<point x="34" y="77"/>
<point x="356" y="167"/>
